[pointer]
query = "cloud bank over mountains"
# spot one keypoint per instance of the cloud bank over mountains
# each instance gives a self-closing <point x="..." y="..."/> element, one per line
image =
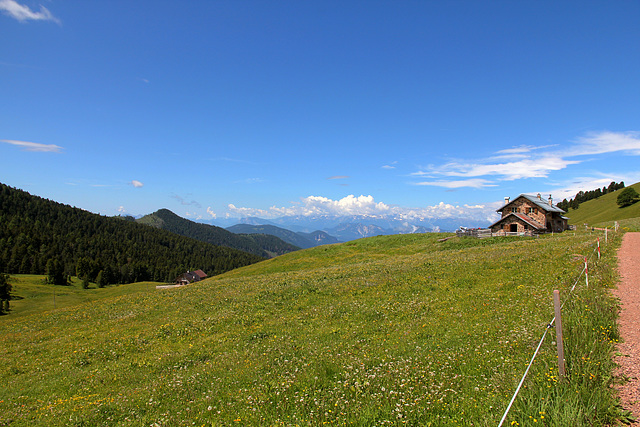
<point x="315" y="206"/>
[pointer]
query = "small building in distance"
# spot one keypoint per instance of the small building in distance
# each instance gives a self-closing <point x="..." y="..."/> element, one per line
<point x="190" y="277"/>
<point x="530" y="215"/>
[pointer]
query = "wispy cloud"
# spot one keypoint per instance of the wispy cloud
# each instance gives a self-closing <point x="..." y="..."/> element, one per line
<point x="339" y="177"/>
<point x="473" y="183"/>
<point x="606" y="142"/>
<point x="34" y="146"/>
<point x="232" y="160"/>
<point x="136" y="183"/>
<point x="535" y="167"/>
<point x="391" y="165"/>
<point x="250" y="181"/>
<point x="184" y="202"/>
<point x="23" y="13"/>
<point x="211" y="212"/>
<point x="525" y="161"/>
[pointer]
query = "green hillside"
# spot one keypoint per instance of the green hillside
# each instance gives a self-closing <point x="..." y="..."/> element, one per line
<point x="34" y="231"/>
<point x="603" y="210"/>
<point x="392" y="330"/>
<point x="284" y="234"/>
<point x="263" y="246"/>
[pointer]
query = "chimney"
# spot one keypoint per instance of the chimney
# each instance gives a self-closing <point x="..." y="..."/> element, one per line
<point x="539" y="196"/>
<point x="506" y="200"/>
<point x="550" y="200"/>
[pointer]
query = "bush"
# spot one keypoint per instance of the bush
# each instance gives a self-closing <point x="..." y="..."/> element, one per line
<point x="627" y="197"/>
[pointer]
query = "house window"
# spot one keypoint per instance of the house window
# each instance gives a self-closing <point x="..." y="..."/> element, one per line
<point x="514" y="210"/>
<point x="532" y="210"/>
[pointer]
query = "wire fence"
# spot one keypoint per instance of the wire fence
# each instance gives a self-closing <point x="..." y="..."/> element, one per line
<point x="584" y="272"/>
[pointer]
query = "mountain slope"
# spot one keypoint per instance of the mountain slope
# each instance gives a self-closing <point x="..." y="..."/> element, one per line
<point x="34" y="230"/>
<point x="319" y="237"/>
<point x="263" y="246"/>
<point x="604" y="209"/>
<point x="282" y="233"/>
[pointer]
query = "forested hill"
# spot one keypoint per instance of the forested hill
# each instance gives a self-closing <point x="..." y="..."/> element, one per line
<point x="34" y="230"/>
<point x="286" y="235"/>
<point x="259" y="244"/>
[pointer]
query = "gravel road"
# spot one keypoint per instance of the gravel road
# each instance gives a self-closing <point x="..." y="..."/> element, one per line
<point x="629" y="293"/>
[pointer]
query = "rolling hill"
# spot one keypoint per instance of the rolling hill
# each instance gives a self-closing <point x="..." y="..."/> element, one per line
<point x="603" y="210"/>
<point x="34" y="231"/>
<point x="260" y="245"/>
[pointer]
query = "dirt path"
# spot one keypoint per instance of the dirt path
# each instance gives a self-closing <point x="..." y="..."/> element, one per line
<point x="629" y="293"/>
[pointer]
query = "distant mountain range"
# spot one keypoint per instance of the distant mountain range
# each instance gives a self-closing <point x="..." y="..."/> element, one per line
<point x="345" y="228"/>
<point x="264" y="244"/>
<point x="300" y="239"/>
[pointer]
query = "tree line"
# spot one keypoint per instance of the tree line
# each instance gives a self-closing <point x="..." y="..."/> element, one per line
<point x="39" y="236"/>
<point x="583" y="196"/>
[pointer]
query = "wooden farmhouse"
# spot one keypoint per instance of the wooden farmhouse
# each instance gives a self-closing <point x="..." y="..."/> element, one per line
<point x="190" y="277"/>
<point x="528" y="214"/>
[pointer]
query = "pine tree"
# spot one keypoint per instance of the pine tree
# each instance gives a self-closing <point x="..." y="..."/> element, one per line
<point x="5" y="293"/>
<point x="55" y="273"/>
<point x="102" y="279"/>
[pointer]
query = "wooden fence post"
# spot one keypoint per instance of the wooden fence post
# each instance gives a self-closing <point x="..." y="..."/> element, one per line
<point x="557" y="307"/>
<point x="598" y="249"/>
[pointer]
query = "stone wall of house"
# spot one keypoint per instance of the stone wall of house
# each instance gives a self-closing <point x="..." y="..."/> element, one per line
<point x="522" y="205"/>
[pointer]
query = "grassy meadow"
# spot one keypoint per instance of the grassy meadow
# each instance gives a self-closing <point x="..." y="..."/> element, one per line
<point x="31" y="295"/>
<point x="391" y="330"/>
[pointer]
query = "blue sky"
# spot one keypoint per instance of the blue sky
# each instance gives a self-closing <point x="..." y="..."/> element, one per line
<point x="264" y="108"/>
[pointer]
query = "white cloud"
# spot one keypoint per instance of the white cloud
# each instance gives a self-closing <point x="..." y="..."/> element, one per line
<point x="366" y="205"/>
<point x="607" y="142"/>
<point x="121" y="209"/>
<point x="211" y="212"/>
<point x="390" y="165"/>
<point x="136" y="183"/>
<point x="34" y="146"/>
<point x="473" y="183"/>
<point x="196" y="216"/>
<point x="536" y="167"/>
<point x="339" y="177"/>
<point x="528" y="161"/>
<point x="23" y="13"/>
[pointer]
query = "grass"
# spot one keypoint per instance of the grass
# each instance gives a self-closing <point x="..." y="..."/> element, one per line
<point x="630" y="224"/>
<point x="31" y="295"/>
<point x="604" y="210"/>
<point x="393" y="330"/>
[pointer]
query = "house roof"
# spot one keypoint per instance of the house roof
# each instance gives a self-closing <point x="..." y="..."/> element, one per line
<point x="200" y="273"/>
<point x="541" y="203"/>
<point x="523" y="217"/>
